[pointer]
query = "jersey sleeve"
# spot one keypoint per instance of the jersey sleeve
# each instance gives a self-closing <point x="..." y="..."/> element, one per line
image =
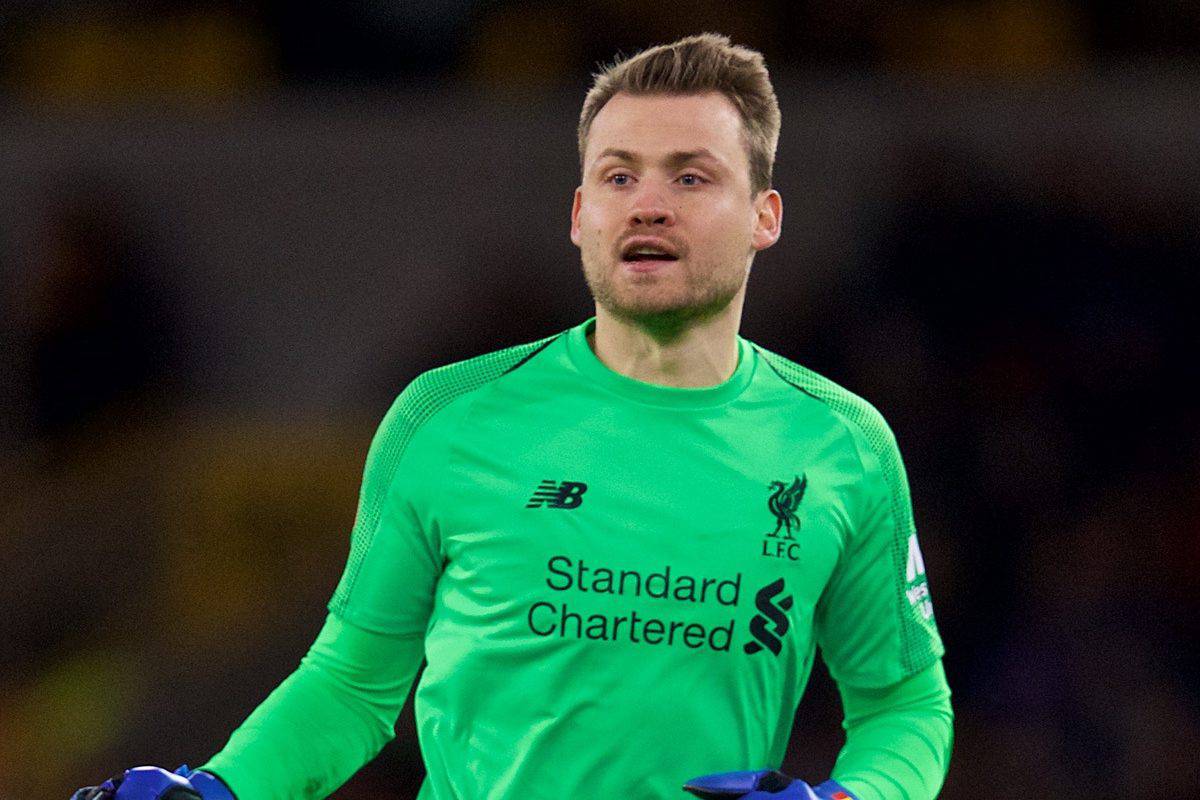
<point x="395" y="556"/>
<point x="874" y="622"/>
<point x="327" y="719"/>
<point x="898" y="739"/>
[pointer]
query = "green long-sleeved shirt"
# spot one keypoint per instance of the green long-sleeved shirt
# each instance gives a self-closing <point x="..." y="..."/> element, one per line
<point x="616" y="586"/>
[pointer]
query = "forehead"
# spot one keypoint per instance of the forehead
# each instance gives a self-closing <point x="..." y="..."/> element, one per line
<point x="656" y="124"/>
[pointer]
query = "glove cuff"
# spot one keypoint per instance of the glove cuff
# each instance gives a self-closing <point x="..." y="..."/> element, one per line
<point x="829" y="790"/>
<point x="207" y="784"/>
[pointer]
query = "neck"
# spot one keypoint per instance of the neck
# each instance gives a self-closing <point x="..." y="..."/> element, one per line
<point x="695" y="355"/>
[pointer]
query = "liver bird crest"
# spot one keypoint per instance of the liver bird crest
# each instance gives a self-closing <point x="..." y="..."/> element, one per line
<point x="783" y="504"/>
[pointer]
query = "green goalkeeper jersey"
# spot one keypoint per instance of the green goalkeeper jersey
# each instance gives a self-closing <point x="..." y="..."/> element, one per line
<point x="619" y="585"/>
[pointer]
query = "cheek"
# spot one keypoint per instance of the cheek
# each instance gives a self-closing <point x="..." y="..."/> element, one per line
<point x="592" y="223"/>
<point x="590" y="240"/>
<point x="726" y="227"/>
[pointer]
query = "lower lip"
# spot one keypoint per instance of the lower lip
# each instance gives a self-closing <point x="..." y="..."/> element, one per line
<point x="647" y="265"/>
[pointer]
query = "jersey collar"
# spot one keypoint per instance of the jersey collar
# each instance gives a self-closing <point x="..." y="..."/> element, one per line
<point x="593" y="368"/>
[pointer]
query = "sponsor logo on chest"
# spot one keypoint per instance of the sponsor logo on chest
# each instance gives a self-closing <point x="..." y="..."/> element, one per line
<point x="570" y="611"/>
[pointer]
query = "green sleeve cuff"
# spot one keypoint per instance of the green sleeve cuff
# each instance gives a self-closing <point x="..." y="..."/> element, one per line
<point x="326" y="720"/>
<point x="898" y="738"/>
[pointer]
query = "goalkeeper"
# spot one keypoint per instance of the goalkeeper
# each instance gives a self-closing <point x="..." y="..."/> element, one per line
<point x="618" y="549"/>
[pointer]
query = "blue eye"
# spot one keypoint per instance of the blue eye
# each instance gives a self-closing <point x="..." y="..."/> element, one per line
<point x="696" y="180"/>
<point x="619" y="179"/>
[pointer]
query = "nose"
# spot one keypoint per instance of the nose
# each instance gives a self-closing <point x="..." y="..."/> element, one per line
<point x="650" y="208"/>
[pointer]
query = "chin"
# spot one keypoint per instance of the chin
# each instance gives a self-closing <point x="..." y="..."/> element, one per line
<point x="654" y="301"/>
<point x="665" y="312"/>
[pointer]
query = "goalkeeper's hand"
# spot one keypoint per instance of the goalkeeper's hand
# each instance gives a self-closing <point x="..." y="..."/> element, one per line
<point x="763" y="784"/>
<point x="155" y="783"/>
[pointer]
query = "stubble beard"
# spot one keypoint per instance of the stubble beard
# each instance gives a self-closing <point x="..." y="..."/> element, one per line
<point x="662" y="309"/>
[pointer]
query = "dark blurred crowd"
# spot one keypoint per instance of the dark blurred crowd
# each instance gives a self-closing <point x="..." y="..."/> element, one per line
<point x="115" y="49"/>
<point x="1034" y="358"/>
<point x="1030" y="339"/>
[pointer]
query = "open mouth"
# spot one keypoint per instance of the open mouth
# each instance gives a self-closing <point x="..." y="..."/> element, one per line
<point x="647" y="255"/>
<point x="650" y="257"/>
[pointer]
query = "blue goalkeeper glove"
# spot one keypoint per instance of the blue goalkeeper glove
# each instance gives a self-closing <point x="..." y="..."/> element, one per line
<point x="155" y="783"/>
<point x="763" y="784"/>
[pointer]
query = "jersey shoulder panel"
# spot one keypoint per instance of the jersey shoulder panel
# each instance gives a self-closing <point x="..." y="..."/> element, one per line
<point x="885" y="489"/>
<point x="413" y="410"/>
<point x="866" y="423"/>
<point x="433" y="390"/>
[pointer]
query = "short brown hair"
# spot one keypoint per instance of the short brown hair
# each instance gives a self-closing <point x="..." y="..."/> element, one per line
<point x="695" y="64"/>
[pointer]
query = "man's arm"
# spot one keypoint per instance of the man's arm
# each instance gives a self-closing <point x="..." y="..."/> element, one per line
<point x="335" y="713"/>
<point x="877" y="634"/>
<point x="898" y="739"/>
<point x="898" y="742"/>
<point x="326" y="720"/>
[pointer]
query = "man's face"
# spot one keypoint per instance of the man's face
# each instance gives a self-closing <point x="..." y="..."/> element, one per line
<point x="664" y="219"/>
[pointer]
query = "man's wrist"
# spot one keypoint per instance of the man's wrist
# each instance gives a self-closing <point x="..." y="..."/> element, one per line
<point x="832" y="790"/>
<point x="210" y="785"/>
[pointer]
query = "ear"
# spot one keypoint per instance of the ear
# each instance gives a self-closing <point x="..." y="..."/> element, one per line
<point x="575" y="215"/>
<point x="768" y="219"/>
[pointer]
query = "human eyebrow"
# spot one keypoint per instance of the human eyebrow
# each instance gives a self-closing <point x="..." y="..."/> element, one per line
<point x="621" y="155"/>
<point x="683" y="157"/>
<point x="673" y="160"/>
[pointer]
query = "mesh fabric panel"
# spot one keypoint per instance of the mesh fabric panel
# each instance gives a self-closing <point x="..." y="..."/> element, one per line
<point x="428" y="394"/>
<point x="920" y="643"/>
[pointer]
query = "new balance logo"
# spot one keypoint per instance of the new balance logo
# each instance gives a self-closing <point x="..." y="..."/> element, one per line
<point x="551" y="494"/>
<point x="914" y="572"/>
<point x="916" y="561"/>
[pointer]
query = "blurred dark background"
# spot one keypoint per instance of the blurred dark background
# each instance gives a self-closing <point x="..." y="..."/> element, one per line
<point x="231" y="232"/>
